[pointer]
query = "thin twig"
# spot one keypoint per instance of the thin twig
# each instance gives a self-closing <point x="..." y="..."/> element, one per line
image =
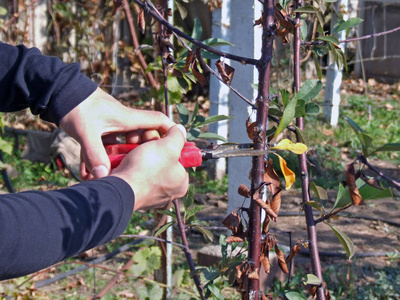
<point x="189" y="258"/>
<point x="153" y="238"/>
<point x="369" y="36"/>
<point x="364" y="160"/>
<point x="333" y="213"/>
<point x="241" y="59"/>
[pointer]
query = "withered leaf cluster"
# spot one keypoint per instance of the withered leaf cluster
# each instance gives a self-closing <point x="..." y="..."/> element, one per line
<point x="234" y="224"/>
<point x="225" y="70"/>
<point x="284" y="24"/>
<point x="192" y="60"/>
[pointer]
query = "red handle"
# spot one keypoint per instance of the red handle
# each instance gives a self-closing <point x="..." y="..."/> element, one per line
<point x="190" y="155"/>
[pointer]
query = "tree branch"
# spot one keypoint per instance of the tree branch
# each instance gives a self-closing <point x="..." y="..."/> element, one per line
<point x="243" y="60"/>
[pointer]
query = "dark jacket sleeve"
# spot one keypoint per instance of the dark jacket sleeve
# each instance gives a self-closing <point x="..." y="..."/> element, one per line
<point x="38" y="229"/>
<point x="45" y="84"/>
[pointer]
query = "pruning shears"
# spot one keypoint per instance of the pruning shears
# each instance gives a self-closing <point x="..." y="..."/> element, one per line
<point x="191" y="155"/>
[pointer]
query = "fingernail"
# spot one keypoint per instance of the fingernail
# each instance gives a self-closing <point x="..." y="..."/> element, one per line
<point x="181" y="128"/>
<point x="100" y="171"/>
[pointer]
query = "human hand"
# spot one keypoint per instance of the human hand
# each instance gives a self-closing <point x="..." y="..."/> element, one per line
<point x="154" y="172"/>
<point x="99" y="118"/>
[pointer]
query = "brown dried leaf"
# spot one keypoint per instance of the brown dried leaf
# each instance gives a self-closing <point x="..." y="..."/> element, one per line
<point x="371" y="181"/>
<point x="201" y="61"/>
<point x="281" y="259"/>
<point x="267" y="208"/>
<point x="266" y="225"/>
<point x="295" y="250"/>
<point x="234" y="239"/>
<point x="284" y="20"/>
<point x="265" y="263"/>
<point x="254" y="274"/>
<point x="176" y="73"/>
<point x="269" y="296"/>
<point x="244" y="191"/>
<point x="232" y="222"/>
<point x="283" y="33"/>
<point x="276" y="201"/>
<point x="259" y="21"/>
<point x="250" y="127"/>
<point x="351" y="183"/>
<point x="270" y="242"/>
<point x="199" y="76"/>
<point x="141" y="22"/>
<point x="270" y="176"/>
<point x="189" y="60"/>
<point x="225" y="70"/>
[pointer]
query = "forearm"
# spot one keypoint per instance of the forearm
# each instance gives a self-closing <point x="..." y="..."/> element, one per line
<point x="39" y="229"/>
<point x="45" y="84"/>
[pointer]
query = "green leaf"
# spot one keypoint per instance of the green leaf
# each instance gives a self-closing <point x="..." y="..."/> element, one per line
<point x="3" y="11"/>
<point x="213" y="42"/>
<point x="344" y="25"/>
<point x="319" y="191"/>
<point x="193" y="133"/>
<point x="167" y="212"/>
<point x="216" y="118"/>
<point x="300" y="109"/>
<point x="215" y="291"/>
<point x="183" y="113"/>
<point x="285" y="97"/>
<point x="368" y="192"/>
<point x="386" y="147"/>
<point x="287" y="117"/>
<point x="317" y="65"/>
<point x="190" y="213"/>
<point x="188" y="199"/>
<point x="315" y="205"/>
<point x="342" y="197"/>
<point x="310" y="89"/>
<point x="364" y="138"/>
<point x="156" y="292"/>
<point x="346" y="242"/>
<point x="312" y="109"/>
<point x="197" y="30"/>
<point x="211" y="136"/>
<point x="312" y="280"/>
<point x="207" y="234"/>
<point x="6" y="146"/>
<point x="309" y="9"/>
<point x="163" y="228"/>
<point x="195" y="112"/>
<point x="294" y="296"/>
<point x="146" y="261"/>
<point x="303" y="30"/>
<point x="329" y="38"/>
<point x="182" y="10"/>
<point x="353" y="125"/>
<point x="303" y="136"/>
<point x="274" y="112"/>
<point x="210" y="273"/>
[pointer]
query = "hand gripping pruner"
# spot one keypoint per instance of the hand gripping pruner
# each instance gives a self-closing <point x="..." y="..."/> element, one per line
<point x="191" y="156"/>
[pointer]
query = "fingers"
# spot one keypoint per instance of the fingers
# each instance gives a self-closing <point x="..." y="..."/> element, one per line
<point x="95" y="157"/>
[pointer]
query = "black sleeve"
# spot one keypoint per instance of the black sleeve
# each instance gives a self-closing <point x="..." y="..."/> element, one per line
<point x="38" y="229"/>
<point x="45" y="84"/>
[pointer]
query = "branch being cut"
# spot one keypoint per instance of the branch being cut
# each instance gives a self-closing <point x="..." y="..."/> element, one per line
<point x="243" y="60"/>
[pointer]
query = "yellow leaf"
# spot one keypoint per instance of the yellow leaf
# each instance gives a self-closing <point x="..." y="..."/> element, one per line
<point x="290" y="177"/>
<point x="285" y="144"/>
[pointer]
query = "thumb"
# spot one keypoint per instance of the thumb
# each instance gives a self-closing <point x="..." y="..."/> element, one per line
<point x="95" y="157"/>
<point x="174" y="139"/>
